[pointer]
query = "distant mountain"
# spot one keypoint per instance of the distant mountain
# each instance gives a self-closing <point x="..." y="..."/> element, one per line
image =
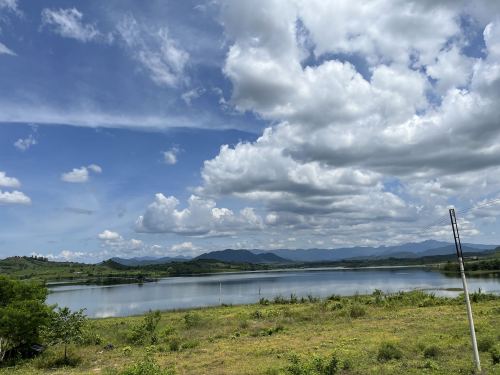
<point x="408" y="250"/>
<point x="242" y="256"/>
<point x="146" y="261"/>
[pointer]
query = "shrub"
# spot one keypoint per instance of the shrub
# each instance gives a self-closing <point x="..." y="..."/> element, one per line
<point x="431" y="351"/>
<point x="388" y="351"/>
<point x="280" y="300"/>
<point x="148" y="366"/>
<point x="146" y="331"/>
<point x="90" y="336"/>
<point x="495" y="354"/>
<point x="317" y="366"/>
<point x="174" y="344"/>
<point x="52" y="360"/>
<point x="485" y="344"/>
<point x="347" y="365"/>
<point x="257" y="314"/>
<point x="264" y="301"/>
<point x="23" y="313"/>
<point x="357" y="311"/>
<point x="192" y="320"/>
<point x="66" y="327"/>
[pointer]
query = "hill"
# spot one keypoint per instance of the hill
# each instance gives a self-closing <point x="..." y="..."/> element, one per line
<point x="243" y="256"/>
<point x="403" y="251"/>
<point x="146" y="261"/>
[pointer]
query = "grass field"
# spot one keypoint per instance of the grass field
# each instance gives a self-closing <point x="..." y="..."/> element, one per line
<point x="362" y="334"/>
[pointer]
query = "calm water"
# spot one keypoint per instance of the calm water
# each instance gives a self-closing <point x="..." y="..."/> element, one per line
<point x="239" y="288"/>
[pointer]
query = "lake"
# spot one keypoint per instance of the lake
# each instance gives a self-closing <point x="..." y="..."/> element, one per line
<point x="248" y="287"/>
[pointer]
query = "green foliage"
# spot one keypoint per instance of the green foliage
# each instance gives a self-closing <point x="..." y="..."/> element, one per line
<point x="431" y="351"/>
<point x="495" y="354"/>
<point x="388" y="351"/>
<point x="66" y="328"/>
<point x="90" y="336"/>
<point x="314" y="366"/>
<point x="148" y="366"/>
<point x="23" y="313"/>
<point x="174" y="344"/>
<point x="357" y="311"/>
<point x="192" y="320"/>
<point x="52" y="360"/>
<point x="485" y="344"/>
<point x="146" y="331"/>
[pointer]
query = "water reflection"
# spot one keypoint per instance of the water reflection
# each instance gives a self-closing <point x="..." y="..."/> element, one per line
<point x="240" y="288"/>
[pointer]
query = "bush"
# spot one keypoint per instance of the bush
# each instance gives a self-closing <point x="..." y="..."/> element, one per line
<point x="357" y="311"/>
<point x="145" y="332"/>
<point x="174" y="344"/>
<point x="315" y="366"/>
<point x="52" y="360"/>
<point x="495" y="354"/>
<point x="148" y="366"/>
<point x="23" y="313"/>
<point x="485" y="344"/>
<point x="90" y="336"/>
<point x="388" y="351"/>
<point x="192" y="320"/>
<point x="431" y="351"/>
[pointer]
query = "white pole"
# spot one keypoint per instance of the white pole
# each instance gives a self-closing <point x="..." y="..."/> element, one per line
<point x="458" y="246"/>
<point x="469" y="316"/>
<point x="220" y="293"/>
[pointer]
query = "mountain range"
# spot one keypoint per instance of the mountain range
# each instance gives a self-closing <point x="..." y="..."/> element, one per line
<point x="282" y="256"/>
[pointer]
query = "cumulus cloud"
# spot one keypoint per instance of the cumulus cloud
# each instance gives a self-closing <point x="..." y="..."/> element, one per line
<point x="69" y="23"/>
<point x="24" y="144"/>
<point x="80" y="175"/>
<point x="201" y="217"/>
<point x="170" y="156"/>
<point x="14" y="197"/>
<point x="108" y="235"/>
<point x="394" y="142"/>
<point x="158" y="53"/>
<point x="10" y="182"/>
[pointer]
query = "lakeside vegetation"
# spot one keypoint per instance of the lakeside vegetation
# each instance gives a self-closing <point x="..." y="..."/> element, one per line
<point x="111" y="272"/>
<point x="410" y="333"/>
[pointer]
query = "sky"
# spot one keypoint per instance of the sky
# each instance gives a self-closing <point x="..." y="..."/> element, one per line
<point x="173" y="128"/>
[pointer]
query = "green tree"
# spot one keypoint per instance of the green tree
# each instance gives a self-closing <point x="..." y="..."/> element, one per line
<point x="23" y="313"/>
<point x="66" y="327"/>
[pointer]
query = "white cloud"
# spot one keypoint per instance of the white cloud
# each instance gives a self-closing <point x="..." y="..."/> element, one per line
<point x="68" y="23"/>
<point x="10" y="182"/>
<point x="157" y="52"/>
<point x="184" y="249"/>
<point x="5" y="50"/>
<point x="25" y="144"/>
<point x="200" y="218"/>
<point x="14" y="197"/>
<point x="10" y="5"/>
<point x="108" y="235"/>
<point x="190" y="95"/>
<point x="345" y="148"/>
<point x="80" y="175"/>
<point x="95" y="168"/>
<point x="170" y="156"/>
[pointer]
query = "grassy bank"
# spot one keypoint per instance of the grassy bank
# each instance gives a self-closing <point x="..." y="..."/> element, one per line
<point x="407" y="333"/>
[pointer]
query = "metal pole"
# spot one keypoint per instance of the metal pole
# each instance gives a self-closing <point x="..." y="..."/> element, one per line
<point x="220" y="293"/>
<point x="458" y="247"/>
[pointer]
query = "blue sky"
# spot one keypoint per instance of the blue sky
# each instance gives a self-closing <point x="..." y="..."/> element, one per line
<point x="175" y="127"/>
